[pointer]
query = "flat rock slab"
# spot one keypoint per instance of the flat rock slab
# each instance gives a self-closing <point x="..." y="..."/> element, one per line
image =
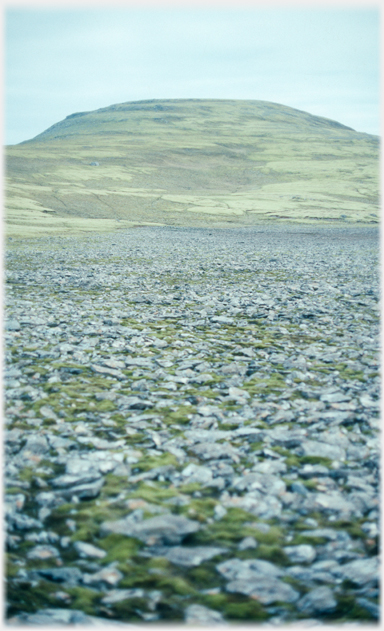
<point x="317" y="601"/>
<point x="267" y="591"/>
<point x="198" y="615"/>
<point x="164" y="529"/>
<point x="59" y="617"/>
<point x="188" y="556"/>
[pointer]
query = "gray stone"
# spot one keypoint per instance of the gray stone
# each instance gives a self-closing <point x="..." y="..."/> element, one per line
<point x="209" y="451"/>
<point x="164" y="529"/>
<point x="191" y="557"/>
<point x="118" y="595"/>
<point x="198" y="615"/>
<point x="12" y="325"/>
<point x="58" y="617"/>
<point x="267" y="591"/>
<point x="361" y="571"/>
<point x="89" y="550"/>
<point x="303" y="553"/>
<point x="196" y="473"/>
<point x="324" y="450"/>
<point x="66" y="575"/>
<point x="23" y="522"/>
<point x="109" y="575"/>
<point x="317" y="601"/>
<point x="370" y="606"/>
<point x="250" y="569"/>
<point x="84" y="491"/>
<point x="248" y="543"/>
<point x="68" y="480"/>
<point x="36" y="445"/>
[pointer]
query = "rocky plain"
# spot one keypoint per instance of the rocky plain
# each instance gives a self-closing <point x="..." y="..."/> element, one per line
<point x="192" y="427"/>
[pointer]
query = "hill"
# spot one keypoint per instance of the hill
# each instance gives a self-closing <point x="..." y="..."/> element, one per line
<point x="190" y="163"/>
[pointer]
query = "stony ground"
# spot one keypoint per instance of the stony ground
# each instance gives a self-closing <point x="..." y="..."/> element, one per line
<point x="192" y="426"/>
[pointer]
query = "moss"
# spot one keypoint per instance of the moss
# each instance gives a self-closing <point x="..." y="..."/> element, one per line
<point x="226" y="532"/>
<point x="292" y="461"/>
<point x="326" y="462"/>
<point x="113" y="485"/>
<point x="256" y="446"/>
<point x="10" y="568"/>
<point x="146" y="464"/>
<point x="200" y="509"/>
<point x="181" y="416"/>
<point x="160" y="563"/>
<point x="175" y="585"/>
<point x="84" y="599"/>
<point x="348" y="609"/>
<point x="352" y="528"/>
<point x="244" y="609"/>
<point x="272" y="553"/>
<point x="299" y="539"/>
<point x="205" y="576"/>
<point x="105" y="406"/>
<point x="274" y="536"/>
<point x="190" y="488"/>
<point x="23" y="597"/>
<point x="153" y="494"/>
<point x="228" y="426"/>
<point x="119" y="548"/>
<point x="137" y="575"/>
<point x="129" y="609"/>
<point x="26" y="474"/>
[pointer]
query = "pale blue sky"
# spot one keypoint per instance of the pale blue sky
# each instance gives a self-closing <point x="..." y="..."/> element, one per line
<point x="59" y="61"/>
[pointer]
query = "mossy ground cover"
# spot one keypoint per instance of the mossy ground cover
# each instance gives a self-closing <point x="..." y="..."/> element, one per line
<point x="299" y="168"/>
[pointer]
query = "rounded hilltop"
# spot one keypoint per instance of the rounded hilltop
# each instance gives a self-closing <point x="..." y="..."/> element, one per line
<point x="193" y="162"/>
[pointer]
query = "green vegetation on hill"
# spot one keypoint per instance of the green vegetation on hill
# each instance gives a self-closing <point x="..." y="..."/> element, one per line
<point x="190" y="163"/>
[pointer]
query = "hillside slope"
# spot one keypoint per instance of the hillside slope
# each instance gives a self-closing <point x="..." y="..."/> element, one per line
<point x="191" y="162"/>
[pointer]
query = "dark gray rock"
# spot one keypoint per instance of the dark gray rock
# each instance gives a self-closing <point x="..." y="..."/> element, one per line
<point x="66" y="575"/>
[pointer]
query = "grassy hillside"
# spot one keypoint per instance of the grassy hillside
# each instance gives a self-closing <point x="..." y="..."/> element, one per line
<point x="190" y="162"/>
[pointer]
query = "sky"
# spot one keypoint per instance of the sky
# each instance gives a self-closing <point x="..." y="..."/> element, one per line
<point x="64" y="60"/>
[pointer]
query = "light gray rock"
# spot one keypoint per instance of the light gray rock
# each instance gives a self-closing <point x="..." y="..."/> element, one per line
<point x="324" y="450"/>
<point x="36" y="445"/>
<point x="108" y="575"/>
<point x="303" y="553"/>
<point x="191" y="556"/>
<point x="210" y="451"/>
<point x="84" y="491"/>
<point x="164" y="529"/>
<point x="361" y="571"/>
<point x="198" y="615"/>
<point x="196" y="473"/>
<point x="118" y="595"/>
<point x="317" y="601"/>
<point x="12" y="325"/>
<point x="42" y="553"/>
<point x="248" y="543"/>
<point x="251" y="569"/>
<point x="70" y="480"/>
<point x="59" y="617"/>
<point x="85" y="549"/>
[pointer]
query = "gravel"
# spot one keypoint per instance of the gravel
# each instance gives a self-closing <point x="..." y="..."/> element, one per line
<point x="191" y="428"/>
